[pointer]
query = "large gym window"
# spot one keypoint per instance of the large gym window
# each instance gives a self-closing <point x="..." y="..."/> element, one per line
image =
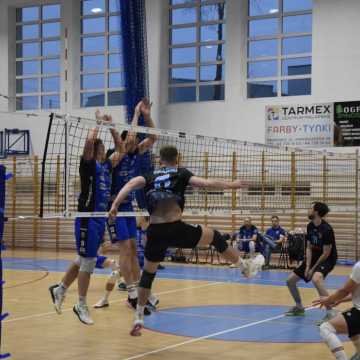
<point x="38" y="46"/>
<point x="196" y="50"/>
<point x="102" y="80"/>
<point x="279" y="48"/>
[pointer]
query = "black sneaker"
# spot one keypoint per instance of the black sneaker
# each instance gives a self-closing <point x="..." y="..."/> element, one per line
<point x="161" y="267"/>
<point x="131" y="303"/>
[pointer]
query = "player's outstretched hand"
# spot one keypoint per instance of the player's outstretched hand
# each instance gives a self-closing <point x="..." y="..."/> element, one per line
<point x="323" y="301"/>
<point x="145" y="107"/>
<point x="98" y="116"/>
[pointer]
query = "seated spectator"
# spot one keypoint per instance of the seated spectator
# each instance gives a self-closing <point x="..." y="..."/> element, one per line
<point x="248" y="238"/>
<point x="274" y="237"/>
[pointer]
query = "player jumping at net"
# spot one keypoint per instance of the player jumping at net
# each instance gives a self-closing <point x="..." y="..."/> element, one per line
<point x="95" y="179"/>
<point x="346" y="323"/>
<point x="165" y="189"/>
<point x="321" y="257"/>
<point x="123" y="229"/>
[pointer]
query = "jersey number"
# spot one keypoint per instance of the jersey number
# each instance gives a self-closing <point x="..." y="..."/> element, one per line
<point x="162" y="182"/>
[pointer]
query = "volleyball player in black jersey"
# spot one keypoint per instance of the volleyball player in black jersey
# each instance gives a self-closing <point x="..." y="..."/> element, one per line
<point x="165" y="189"/>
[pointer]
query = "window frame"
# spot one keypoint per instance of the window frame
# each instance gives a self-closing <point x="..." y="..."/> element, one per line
<point x="280" y="57"/>
<point x="198" y="44"/>
<point x="106" y="53"/>
<point x="39" y="76"/>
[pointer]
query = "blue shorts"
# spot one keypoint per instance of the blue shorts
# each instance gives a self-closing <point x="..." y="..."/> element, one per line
<point x="89" y="233"/>
<point x="100" y="262"/>
<point x="124" y="228"/>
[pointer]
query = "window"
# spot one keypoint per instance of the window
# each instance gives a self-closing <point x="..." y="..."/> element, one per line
<point x="196" y="50"/>
<point x="38" y="47"/>
<point x="102" y="77"/>
<point x="279" y="48"/>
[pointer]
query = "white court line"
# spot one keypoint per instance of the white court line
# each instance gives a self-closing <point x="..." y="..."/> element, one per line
<point x="111" y="302"/>
<point x="190" y="341"/>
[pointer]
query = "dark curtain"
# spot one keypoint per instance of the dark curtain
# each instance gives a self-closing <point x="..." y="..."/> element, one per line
<point x="134" y="46"/>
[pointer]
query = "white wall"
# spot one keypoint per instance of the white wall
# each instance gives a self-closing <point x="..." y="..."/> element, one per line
<point x="336" y="74"/>
<point x="70" y="19"/>
<point x="336" y="71"/>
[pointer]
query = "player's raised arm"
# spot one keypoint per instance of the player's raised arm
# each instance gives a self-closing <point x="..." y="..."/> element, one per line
<point x="88" y="153"/>
<point x="134" y="184"/>
<point x="148" y="142"/>
<point x="197" y="181"/>
<point x="119" y="143"/>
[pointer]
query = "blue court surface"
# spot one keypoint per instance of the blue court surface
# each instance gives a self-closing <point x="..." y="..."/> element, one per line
<point x="178" y="272"/>
<point x="252" y="323"/>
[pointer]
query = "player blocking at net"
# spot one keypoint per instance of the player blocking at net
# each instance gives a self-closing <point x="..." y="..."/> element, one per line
<point x="123" y="229"/>
<point x="165" y="197"/>
<point x="95" y="179"/>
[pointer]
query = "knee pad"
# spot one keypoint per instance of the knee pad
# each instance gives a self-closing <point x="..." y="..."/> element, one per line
<point x="87" y="264"/>
<point x="219" y="242"/>
<point x="146" y="279"/>
<point x="326" y="329"/>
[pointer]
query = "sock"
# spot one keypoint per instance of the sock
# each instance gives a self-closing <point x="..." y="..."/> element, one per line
<point x="152" y="299"/>
<point x="82" y="300"/>
<point x="61" y="289"/>
<point x="328" y="333"/>
<point x="107" y="294"/>
<point x="132" y="291"/>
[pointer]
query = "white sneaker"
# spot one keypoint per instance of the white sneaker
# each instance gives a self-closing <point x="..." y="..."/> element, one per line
<point x="101" y="304"/>
<point x="255" y="265"/>
<point x="57" y="298"/>
<point x="82" y="311"/>
<point x="138" y="324"/>
<point x="234" y="266"/>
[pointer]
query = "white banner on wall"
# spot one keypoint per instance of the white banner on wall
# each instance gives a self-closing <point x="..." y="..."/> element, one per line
<point x="309" y="125"/>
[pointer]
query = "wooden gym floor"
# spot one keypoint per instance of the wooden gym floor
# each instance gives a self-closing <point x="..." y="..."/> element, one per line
<point x="205" y="312"/>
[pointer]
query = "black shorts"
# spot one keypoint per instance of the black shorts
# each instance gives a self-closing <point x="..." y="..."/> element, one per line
<point x="324" y="268"/>
<point x="162" y="236"/>
<point x="352" y="318"/>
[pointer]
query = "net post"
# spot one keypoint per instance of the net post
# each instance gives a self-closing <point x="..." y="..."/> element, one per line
<point x="2" y="220"/>
<point x="13" y="201"/>
<point x="57" y="203"/>
<point x="36" y="201"/>
<point x="233" y="192"/>
<point x="357" y="205"/>
<point x="43" y="165"/>
<point x="293" y="190"/>
<point x="263" y="182"/>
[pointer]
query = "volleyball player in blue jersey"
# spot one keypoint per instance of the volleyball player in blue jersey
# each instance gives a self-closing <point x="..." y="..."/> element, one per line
<point x="123" y="230"/>
<point x="95" y="179"/>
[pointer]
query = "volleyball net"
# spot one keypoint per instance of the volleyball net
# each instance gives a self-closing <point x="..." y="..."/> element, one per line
<point x="279" y="180"/>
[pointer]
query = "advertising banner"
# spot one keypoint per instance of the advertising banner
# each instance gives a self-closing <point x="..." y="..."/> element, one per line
<point x="309" y="125"/>
<point x="347" y="123"/>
